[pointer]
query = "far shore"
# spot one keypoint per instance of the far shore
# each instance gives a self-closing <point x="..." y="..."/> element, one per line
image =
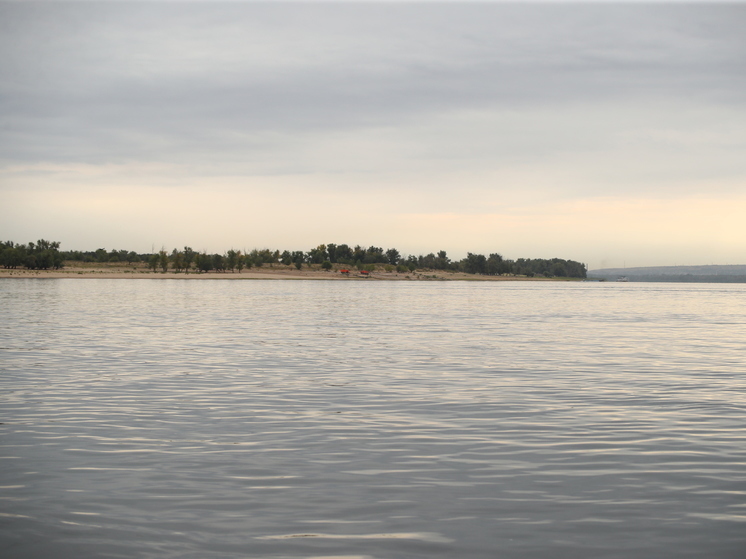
<point x="276" y="272"/>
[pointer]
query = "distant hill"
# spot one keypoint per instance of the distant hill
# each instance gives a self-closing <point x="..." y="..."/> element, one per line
<point x="707" y="274"/>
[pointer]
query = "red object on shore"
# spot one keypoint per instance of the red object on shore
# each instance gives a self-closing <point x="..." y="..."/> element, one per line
<point x="364" y="272"/>
<point x="344" y="271"/>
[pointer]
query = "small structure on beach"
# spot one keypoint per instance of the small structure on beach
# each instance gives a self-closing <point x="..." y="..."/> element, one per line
<point x="345" y="272"/>
<point x="364" y="273"/>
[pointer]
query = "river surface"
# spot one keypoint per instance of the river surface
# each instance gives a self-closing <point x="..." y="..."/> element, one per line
<point x="300" y="419"/>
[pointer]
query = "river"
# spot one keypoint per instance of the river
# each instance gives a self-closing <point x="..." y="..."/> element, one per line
<point x="310" y="419"/>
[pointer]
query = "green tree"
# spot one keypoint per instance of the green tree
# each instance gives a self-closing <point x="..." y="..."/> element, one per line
<point x="427" y="261"/>
<point x="326" y="265"/>
<point x="231" y="260"/>
<point x="203" y="262"/>
<point x="493" y="266"/>
<point x="558" y="270"/>
<point x="331" y="250"/>
<point x="298" y="258"/>
<point x="442" y="262"/>
<point x="358" y="253"/>
<point x="375" y="255"/>
<point x="153" y="261"/>
<point x="393" y="256"/>
<point x="474" y="263"/>
<point x="189" y="256"/>
<point x="177" y="260"/>
<point x="163" y="260"/>
<point x="343" y="253"/>
<point x="318" y="255"/>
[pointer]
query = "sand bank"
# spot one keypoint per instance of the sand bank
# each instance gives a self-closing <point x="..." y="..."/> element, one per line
<point x="275" y="273"/>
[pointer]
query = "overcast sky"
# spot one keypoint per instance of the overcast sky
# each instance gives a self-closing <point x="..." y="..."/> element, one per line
<point x="609" y="134"/>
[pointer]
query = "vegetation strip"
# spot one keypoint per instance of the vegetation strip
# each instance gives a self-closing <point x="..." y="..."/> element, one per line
<point x="45" y="255"/>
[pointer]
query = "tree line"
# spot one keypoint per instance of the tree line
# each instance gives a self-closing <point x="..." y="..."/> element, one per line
<point x="44" y="254"/>
<point x="41" y="255"/>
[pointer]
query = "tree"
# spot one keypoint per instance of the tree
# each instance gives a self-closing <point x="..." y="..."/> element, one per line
<point x="218" y="262"/>
<point x="264" y="256"/>
<point x="331" y="250"/>
<point x="58" y="259"/>
<point x="374" y="255"/>
<point x="10" y="256"/>
<point x="343" y="253"/>
<point x="442" y="262"/>
<point x="326" y="265"/>
<point x="163" y="260"/>
<point x="153" y="262"/>
<point x="189" y="256"/>
<point x="318" y="255"/>
<point x="493" y="265"/>
<point x="558" y="270"/>
<point x="256" y="258"/>
<point x="240" y="261"/>
<point x="203" y="262"/>
<point x="177" y="260"/>
<point x="393" y="256"/>
<point x="298" y="258"/>
<point x="358" y="253"/>
<point x="474" y="263"/>
<point x="427" y="261"/>
<point x="231" y="259"/>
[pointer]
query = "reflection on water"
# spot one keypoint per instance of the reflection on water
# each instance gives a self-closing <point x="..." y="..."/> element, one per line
<point x="379" y="420"/>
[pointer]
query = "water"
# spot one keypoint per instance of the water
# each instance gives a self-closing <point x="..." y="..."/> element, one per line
<point x="292" y="419"/>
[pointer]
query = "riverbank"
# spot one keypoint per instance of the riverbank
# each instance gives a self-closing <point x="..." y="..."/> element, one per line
<point x="98" y="271"/>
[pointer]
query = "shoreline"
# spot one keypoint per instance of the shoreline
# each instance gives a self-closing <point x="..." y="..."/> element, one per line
<point x="268" y="273"/>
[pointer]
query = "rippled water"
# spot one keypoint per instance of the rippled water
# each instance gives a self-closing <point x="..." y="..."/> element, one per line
<point x="371" y="419"/>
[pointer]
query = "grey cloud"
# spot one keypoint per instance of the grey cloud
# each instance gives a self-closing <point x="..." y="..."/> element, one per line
<point x="237" y="82"/>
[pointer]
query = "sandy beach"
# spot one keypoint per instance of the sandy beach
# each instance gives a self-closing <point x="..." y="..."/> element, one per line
<point x="113" y="271"/>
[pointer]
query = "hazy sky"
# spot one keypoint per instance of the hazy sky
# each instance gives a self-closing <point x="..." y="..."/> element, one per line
<point x="609" y="134"/>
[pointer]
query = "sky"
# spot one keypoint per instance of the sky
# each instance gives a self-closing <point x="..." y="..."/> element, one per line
<point x="611" y="134"/>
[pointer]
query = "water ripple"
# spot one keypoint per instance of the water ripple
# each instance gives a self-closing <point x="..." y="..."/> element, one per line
<point x="222" y="419"/>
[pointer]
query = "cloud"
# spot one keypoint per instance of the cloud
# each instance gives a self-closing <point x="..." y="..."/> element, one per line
<point x="157" y="81"/>
<point x="388" y="109"/>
